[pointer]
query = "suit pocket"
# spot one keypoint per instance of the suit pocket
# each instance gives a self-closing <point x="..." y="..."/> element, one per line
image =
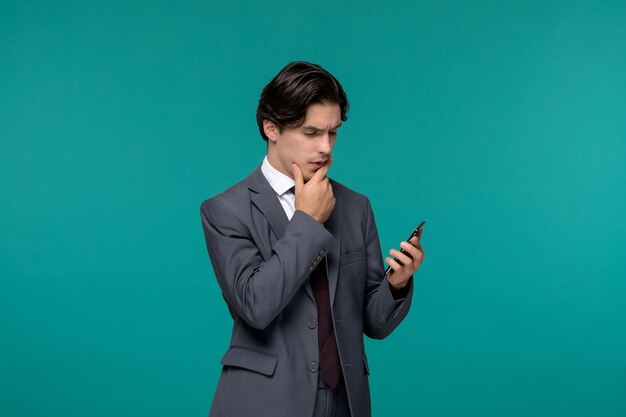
<point x="351" y="258"/>
<point x="251" y="359"/>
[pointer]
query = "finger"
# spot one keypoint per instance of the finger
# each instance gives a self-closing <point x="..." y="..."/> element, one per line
<point x="417" y="243"/>
<point x="321" y="173"/>
<point x="393" y="264"/>
<point x="413" y="248"/>
<point x="326" y="185"/>
<point x="419" y="247"/>
<point x="403" y="258"/>
<point x="418" y="258"/>
<point x="417" y="253"/>
<point x="297" y="176"/>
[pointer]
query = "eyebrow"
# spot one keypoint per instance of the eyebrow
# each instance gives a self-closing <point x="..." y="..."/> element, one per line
<point x="319" y="129"/>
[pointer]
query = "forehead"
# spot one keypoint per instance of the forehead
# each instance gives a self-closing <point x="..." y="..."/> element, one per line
<point x="323" y="115"/>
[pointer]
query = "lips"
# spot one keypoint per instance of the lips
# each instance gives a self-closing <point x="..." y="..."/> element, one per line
<point x="317" y="164"/>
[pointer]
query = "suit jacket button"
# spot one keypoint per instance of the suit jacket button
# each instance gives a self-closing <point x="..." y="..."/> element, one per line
<point x="312" y="323"/>
<point x="314" y="366"/>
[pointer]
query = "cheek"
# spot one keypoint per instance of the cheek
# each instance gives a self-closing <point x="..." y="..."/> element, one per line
<point x="300" y="154"/>
<point x="288" y="153"/>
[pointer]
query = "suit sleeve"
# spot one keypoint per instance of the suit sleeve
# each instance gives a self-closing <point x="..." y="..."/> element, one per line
<point x="257" y="289"/>
<point x="383" y="313"/>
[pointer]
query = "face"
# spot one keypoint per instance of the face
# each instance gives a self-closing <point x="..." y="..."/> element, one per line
<point x="308" y="145"/>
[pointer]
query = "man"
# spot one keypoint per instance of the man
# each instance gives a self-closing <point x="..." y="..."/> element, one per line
<point x="298" y="259"/>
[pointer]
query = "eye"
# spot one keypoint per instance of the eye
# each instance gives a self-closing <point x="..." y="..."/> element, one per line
<point x="333" y="133"/>
<point x="310" y="133"/>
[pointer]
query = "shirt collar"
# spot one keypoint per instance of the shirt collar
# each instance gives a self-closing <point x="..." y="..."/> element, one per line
<point x="280" y="182"/>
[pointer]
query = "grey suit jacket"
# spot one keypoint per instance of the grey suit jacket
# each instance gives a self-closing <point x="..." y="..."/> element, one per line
<point x="262" y="263"/>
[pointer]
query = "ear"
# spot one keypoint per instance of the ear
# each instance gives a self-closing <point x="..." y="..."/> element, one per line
<point x="271" y="130"/>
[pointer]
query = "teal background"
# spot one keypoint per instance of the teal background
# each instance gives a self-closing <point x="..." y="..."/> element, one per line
<point x="503" y="124"/>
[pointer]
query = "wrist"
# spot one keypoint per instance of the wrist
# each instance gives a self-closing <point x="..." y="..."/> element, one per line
<point x="400" y="290"/>
<point x="398" y="285"/>
<point x="316" y="218"/>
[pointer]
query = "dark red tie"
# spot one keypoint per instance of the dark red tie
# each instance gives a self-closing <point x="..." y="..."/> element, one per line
<point x="330" y="367"/>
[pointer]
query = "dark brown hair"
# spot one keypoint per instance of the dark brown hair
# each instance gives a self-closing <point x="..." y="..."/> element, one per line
<point x="285" y="100"/>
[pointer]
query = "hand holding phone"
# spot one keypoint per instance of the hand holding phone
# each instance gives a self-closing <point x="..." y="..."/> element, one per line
<point x="416" y="232"/>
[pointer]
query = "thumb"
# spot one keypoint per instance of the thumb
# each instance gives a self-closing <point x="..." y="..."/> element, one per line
<point x="297" y="176"/>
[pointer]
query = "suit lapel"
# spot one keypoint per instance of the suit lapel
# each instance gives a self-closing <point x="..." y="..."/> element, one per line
<point x="264" y="198"/>
<point x="268" y="204"/>
<point x="333" y="225"/>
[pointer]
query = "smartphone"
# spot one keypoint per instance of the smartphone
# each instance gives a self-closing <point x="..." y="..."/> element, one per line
<point x="416" y="231"/>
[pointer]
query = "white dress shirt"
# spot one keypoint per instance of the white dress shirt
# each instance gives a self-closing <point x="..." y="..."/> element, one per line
<point x="282" y="185"/>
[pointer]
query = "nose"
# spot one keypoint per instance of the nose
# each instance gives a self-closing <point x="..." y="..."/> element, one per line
<point x="325" y="145"/>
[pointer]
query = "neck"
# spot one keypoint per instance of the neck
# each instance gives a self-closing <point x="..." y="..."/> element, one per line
<point x="276" y="164"/>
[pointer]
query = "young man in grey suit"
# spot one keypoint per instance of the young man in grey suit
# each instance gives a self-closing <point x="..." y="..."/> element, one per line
<point x="298" y="259"/>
